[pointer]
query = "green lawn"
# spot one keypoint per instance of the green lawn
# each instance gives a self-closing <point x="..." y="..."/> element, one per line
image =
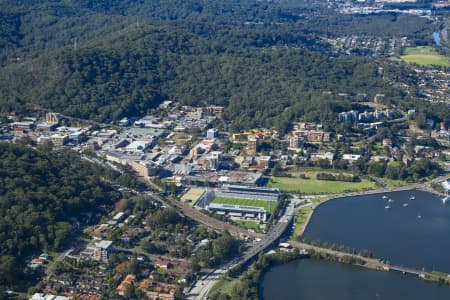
<point x="301" y="219"/>
<point x="219" y="284"/>
<point x="316" y="201"/>
<point x="394" y="183"/>
<point x="247" y="224"/>
<point x="314" y="186"/>
<point x="424" y="56"/>
<point x="268" y="205"/>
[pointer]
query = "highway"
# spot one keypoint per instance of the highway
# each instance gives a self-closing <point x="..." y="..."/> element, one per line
<point x="204" y="284"/>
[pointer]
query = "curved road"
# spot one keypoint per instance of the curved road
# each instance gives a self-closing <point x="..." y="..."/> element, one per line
<point x="204" y="285"/>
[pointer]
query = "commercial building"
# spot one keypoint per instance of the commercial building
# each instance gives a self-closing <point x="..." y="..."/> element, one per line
<point x="348" y="116"/>
<point x="212" y="133"/>
<point x="41" y="296"/>
<point x="140" y="145"/>
<point x="25" y="125"/>
<point x="57" y="139"/>
<point x="296" y="141"/>
<point x="252" y="145"/>
<point x="99" y="251"/>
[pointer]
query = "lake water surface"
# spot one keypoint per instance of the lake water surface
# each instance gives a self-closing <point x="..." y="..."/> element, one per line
<point x="414" y="235"/>
<point x="316" y="280"/>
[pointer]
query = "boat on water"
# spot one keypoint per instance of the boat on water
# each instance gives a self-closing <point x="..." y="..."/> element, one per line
<point x="405" y="204"/>
<point x="419" y="217"/>
<point x="445" y="200"/>
<point x="412" y="197"/>
<point x="384" y="197"/>
<point x="387" y="207"/>
<point x="390" y="200"/>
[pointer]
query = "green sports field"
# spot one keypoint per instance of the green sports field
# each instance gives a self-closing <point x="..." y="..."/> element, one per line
<point x="313" y="186"/>
<point x="424" y="56"/>
<point x="268" y="205"/>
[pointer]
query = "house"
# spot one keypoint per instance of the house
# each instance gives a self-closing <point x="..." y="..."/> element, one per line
<point x="180" y="264"/>
<point x="146" y="284"/>
<point x="125" y="283"/>
<point x="38" y="261"/>
<point x="351" y="157"/>
<point x="119" y="216"/>
<point x="164" y="264"/>
<point x="43" y="256"/>
<point x="159" y="296"/>
<point x="322" y="155"/>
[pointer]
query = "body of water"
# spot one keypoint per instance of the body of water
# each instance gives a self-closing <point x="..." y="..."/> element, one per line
<point x="315" y="280"/>
<point x="413" y="233"/>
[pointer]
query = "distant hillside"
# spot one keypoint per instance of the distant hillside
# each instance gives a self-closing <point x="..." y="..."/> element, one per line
<point x="103" y="60"/>
<point x="131" y="71"/>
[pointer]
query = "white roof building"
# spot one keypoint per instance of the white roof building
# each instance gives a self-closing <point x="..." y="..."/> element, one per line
<point x="351" y="157"/>
<point x="41" y="296"/>
<point x="138" y="146"/>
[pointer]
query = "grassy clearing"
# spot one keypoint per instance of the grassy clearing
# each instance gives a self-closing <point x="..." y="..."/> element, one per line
<point x="316" y="201"/>
<point x="313" y="186"/>
<point x="54" y="254"/>
<point x="424" y="56"/>
<point x="394" y="183"/>
<point x="219" y="284"/>
<point x="247" y="224"/>
<point x="229" y="289"/>
<point x="268" y="205"/>
<point x="440" y="274"/>
<point x="301" y="219"/>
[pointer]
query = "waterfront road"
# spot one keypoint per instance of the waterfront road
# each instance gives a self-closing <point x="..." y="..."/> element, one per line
<point x="204" y="284"/>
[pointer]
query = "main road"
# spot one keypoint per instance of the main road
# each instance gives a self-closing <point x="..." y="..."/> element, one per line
<point x="205" y="284"/>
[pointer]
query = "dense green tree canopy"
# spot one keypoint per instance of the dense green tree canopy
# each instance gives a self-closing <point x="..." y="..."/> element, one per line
<point x="43" y="195"/>
<point x="107" y="59"/>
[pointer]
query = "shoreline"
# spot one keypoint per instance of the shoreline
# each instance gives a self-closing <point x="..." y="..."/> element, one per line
<point x="363" y="193"/>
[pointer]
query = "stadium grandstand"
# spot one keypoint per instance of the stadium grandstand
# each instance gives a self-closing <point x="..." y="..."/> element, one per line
<point x="240" y="211"/>
<point x="245" y="192"/>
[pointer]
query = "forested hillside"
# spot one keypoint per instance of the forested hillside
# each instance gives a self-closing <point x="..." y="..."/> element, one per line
<point x="104" y="60"/>
<point x="40" y="192"/>
<point x="131" y="71"/>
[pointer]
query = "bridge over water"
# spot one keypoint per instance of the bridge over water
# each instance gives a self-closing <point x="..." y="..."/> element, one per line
<point x="371" y="262"/>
